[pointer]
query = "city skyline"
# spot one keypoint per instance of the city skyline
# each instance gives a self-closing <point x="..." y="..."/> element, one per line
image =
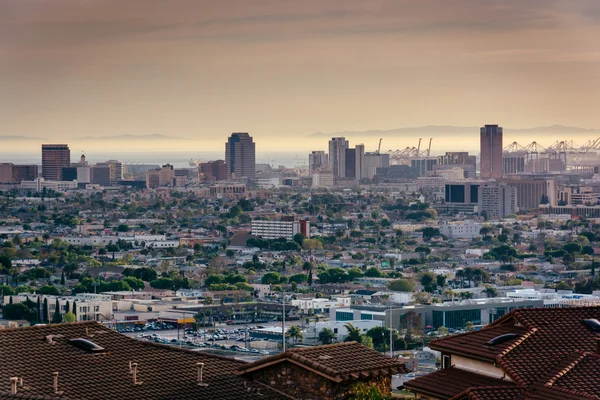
<point x="101" y="69"/>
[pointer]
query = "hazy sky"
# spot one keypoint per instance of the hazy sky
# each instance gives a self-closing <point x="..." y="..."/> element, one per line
<point x="282" y="69"/>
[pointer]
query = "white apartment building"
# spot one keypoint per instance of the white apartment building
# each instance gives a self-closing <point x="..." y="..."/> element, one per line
<point x="314" y="305"/>
<point x="322" y="178"/>
<point x="268" y="181"/>
<point x="280" y="229"/>
<point x="39" y="184"/>
<point x="89" y="306"/>
<point x="553" y="298"/>
<point x="451" y="174"/>
<point x="157" y="241"/>
<point x="461" y="229"/>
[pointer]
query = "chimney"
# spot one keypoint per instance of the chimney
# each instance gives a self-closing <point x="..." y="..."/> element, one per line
<point x="134" y="372"/>
<point x="200" y="368"/>
<point x="13" y="385"/>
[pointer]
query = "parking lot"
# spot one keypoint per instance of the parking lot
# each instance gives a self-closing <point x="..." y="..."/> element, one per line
<point x="234" y="341"/>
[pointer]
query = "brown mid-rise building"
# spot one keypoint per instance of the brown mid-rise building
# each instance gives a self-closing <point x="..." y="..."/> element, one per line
<point x="11" y="173"/>
<point x="213" y="171"/>
<point x="55" y="157"/>
<point x="491" y="152"/>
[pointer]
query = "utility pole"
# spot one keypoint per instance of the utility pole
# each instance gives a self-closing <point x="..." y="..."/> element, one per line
<point x="391" y="337"/>
<point x="283" y="325"/>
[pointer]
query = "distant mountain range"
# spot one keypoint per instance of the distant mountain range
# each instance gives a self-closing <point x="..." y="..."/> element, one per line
<point x="447" y="130"/>
<point x="16" y="138"/>
<point x="11" y="138"/>
<point x="130" y="137"/>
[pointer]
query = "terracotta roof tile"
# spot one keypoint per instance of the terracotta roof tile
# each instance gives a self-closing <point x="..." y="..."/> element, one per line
<point x="475" y="343"/>
<point x="492" y="393"/>
<point x="340" y="362"/>
<point x="35" y="353"/>
<point x="450" y="382"/>
<point x="552" y="357"/>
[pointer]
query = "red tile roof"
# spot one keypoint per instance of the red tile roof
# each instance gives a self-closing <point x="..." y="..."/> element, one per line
<point x="552" y="355"/>
<point x="474" y="344"/>
<point x="450" y="382"/>
<point x="492" y="393"/>
<point x="166" y="372"/>
<point x="338" y="362"/>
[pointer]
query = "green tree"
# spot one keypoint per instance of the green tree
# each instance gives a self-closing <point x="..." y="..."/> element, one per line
<point x="326" y="336"/>
<point x="469" y="326"/>
<point x="440" y="280"/>
<point x="366" y="341"/>
<point x="373" y="272"/>
<point x="57" y="316"/>
<point x="15" y="311"/>
<point x="427" y="279"/>
<point x="401" y="285"/>
<point x="354" y="273"/>
<point x="49" y="290"/>
<point x="272" y="278"/>
<point x="123" y="228"/>
<point x="562" y="285"/>
<point x="353" y="333"/>
<point x="298" y="278"/>
<point x="45" y="313"/>
<point x="442" y="331"/>
<point x="5" y="262"/>
<point x="298" y="238"/>
<point x="69" y="317"/>
<point x="295" y="332"/>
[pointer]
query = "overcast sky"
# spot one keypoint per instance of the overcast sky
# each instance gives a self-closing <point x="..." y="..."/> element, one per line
<point x="201" y="69"/>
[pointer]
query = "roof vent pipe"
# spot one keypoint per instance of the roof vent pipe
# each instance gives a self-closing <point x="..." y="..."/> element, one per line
<point x="200" y="368"/>
<point x="56" y="391"/>
<point x="134" y="372"/>
<point x="13" y="385"/>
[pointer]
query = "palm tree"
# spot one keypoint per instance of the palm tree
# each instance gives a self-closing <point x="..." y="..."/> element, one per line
<point x="460" y="274"/>
<point x="353" y="333"/>
<point x="326" y="336"/>
<point x="295" y="332"/>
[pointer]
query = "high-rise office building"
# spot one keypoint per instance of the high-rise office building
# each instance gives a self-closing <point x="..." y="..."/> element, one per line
<point x="373" y="161"/>
<point x="240" y="156"/>
<point x="337" y="156"/>
<point x="350" y="164"/>
<point x="316" y="160"/>
<point x="360" y="170"/>
<point x="55" y="157"/>
<point x="116" y="169"/>
<point x="491" y="152"/>
<point x="423" y="164"/>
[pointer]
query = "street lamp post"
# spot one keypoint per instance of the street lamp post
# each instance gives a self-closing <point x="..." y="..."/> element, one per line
<point x="283" y="325"/>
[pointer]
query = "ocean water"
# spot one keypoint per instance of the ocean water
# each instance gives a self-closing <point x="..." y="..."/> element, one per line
<point x="179" y="159"/>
